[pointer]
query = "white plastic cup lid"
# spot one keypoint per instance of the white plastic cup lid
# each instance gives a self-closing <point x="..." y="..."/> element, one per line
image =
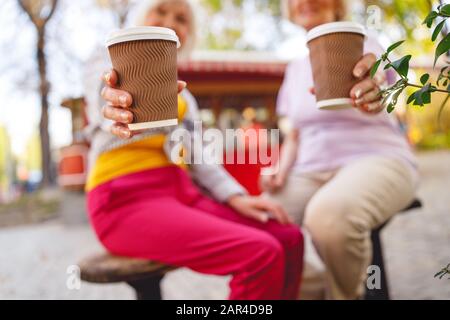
<point x="336" y="27"/>
<point x="141" y="33"/>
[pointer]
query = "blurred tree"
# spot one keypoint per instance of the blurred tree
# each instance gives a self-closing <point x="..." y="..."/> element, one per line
<point x="40" y="12"/>
<point x="120" y="7"/>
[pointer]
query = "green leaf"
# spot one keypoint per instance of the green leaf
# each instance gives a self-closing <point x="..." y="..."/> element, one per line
<point x="438" y="30"/>
<point x="430" y="18"/>
<point x="426" y="97"/>
<point x="418" y="101"/>
<point x="424" y="78"/>
<point x="402" y="65"/>
<point x="442" y="47"/>
<point x="375" y="68"/>
<point x="392" y="97"/>
<point x="423" y="96"/>
<point x="390" y="107"/>
<point x="394" y="46"/>
<point x="445" y="82"/>
<point x="445" y="9"/>
<point x="412" y="97"/>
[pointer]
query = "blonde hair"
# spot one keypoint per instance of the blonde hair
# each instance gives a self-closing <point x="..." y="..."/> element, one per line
<point x="341" y="9"/>
<point x="147" y="5"/>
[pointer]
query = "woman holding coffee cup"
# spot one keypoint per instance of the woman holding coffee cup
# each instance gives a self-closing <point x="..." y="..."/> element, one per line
<point x="345" y="167"/>
<point x="143" y="205"/>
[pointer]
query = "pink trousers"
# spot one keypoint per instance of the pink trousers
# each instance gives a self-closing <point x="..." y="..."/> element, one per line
<point x="160" y="215"/>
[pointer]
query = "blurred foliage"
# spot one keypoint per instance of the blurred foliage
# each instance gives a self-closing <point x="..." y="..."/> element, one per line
<point x="227" y="35"/>
<point x="404" y="12"/>
<point x="218" y="5"/>
<point x="430" y="89"/>
<point x="424" y="129"/>
<point x="121" y="7"/>
<point x="403" y="15"/>
<point x="407" y="15"/>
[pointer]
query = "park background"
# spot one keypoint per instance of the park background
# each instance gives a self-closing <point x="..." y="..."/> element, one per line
<point x="43" y="227"/>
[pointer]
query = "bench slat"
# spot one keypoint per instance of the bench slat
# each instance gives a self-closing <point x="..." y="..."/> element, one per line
<point x="107" y="268"/>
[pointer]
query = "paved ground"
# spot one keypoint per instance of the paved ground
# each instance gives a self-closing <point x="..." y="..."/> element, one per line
<point x="34" y="259"/>
<point x="417" y="243"/>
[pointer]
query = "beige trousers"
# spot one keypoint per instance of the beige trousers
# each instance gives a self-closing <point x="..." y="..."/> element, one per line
<point x="338" y="210"/>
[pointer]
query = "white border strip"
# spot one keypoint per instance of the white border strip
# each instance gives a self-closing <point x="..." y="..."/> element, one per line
<point x="141" y="33"/>
<point x="136" y="37"/>
<point x="335" y="27"/>
<point x="335" y="104"/>
<point x="153" y="124"/>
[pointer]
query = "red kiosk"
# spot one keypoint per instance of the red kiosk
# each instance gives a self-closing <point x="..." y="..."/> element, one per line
<point x="248" y="89"/>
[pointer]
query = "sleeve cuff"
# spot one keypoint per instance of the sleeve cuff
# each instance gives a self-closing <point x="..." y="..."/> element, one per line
<point x="226" y="189"/>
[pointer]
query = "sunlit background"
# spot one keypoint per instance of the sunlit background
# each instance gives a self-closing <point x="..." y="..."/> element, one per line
<point x="238" y="30"/>
<point x="78" y="27"/>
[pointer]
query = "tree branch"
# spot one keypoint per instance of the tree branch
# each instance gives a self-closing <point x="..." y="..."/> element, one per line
<point x="27" y="10"/>
<point x="38" y="22"/>
<point x="420" y="87"/>
<point x="52" y="11"/>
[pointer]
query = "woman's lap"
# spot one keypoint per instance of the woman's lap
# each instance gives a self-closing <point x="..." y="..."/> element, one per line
<point x="179" y="230"/>
<point x="374" y="188"/>
<point x="284" y="233"/>
<point x="376" y="179"/>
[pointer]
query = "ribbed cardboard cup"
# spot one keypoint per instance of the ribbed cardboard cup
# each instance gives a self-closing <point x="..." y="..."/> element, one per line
<point x="145" y="59"/>
<point x="334" y="50"/>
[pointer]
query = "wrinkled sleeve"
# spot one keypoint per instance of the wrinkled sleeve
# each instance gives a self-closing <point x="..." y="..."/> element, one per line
<point x="284" y="104"/>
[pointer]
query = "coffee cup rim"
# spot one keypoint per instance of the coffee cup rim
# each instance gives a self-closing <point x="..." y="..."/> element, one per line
<point x="141" y="33"/>
<point x="336" y="27"/>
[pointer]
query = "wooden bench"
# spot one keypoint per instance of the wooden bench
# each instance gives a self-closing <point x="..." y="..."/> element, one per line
<point x="145" y="276"/>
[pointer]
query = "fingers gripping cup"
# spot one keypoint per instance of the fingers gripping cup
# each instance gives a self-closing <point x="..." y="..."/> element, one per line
<point x="145" y="59"/>
<point x="334" y="50"/>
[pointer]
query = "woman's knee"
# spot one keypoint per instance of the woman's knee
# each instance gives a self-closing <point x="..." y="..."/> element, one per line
<point x="289" y="236"/>
<point x="338" y="225"/>
<point x="265" y="249"/>
<point x="329" y="221"/>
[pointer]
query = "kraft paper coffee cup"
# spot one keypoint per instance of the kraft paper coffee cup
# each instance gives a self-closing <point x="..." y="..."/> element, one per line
<point x="334" y="50"/>
<point x="145" y="59"/>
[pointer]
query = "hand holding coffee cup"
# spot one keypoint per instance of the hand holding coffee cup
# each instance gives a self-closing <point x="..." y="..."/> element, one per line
<point x="340" y="71"/>
<point x="145" y="59"/>
<point x="118" y="105"/>
<point x="366" y="93"/>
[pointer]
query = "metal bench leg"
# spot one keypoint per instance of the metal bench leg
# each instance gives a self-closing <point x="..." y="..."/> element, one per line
<point x="148" y="289"/>
<point x="377" y="260"/>
<point x="383" y="293"/>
